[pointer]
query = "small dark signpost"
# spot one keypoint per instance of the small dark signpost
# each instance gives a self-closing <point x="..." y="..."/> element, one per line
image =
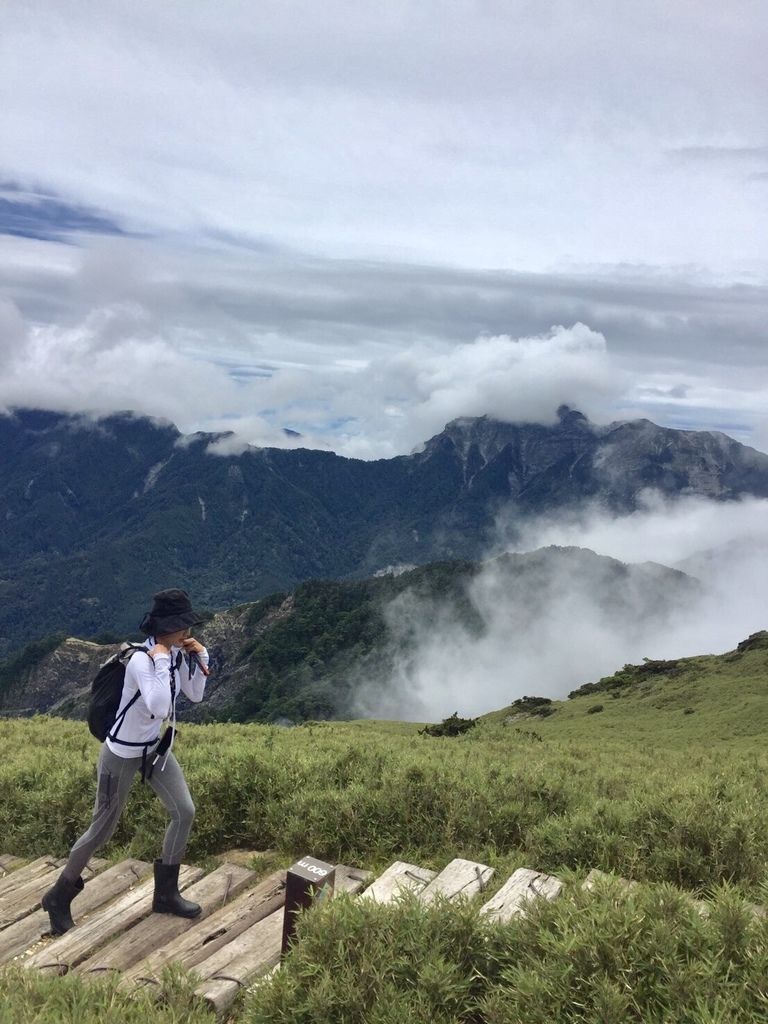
<point x="307" y="880"/>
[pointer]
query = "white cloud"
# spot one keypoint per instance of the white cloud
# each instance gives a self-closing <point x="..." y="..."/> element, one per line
<point x="511" y="379"/>
<point x="659" y="531"/>
<point x="13" y="330"/>
<point x="367" y="360"/>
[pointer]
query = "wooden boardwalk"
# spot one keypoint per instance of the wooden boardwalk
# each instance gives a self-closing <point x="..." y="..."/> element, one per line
<point x="236" y="939"/>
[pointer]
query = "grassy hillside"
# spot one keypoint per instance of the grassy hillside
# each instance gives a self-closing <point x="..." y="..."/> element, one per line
<point x="710" y="699"/>
<point x="666" y="785"/>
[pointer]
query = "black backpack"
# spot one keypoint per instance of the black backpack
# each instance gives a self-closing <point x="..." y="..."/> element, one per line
<point x="107" y="689"/>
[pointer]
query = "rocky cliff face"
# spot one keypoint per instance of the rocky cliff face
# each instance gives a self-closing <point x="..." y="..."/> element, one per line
<point x="538" y="468"/>
<point x="55" y="680"/>
<point x="97" y="516"/>
<point x="59" y="681"/>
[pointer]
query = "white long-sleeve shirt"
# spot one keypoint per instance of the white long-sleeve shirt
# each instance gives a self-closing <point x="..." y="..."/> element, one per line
<point x="151" y="678"/>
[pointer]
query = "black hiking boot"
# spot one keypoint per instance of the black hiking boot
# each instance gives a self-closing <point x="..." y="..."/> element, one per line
<point x="57" y="902"/>
<point x="167" y="899"/>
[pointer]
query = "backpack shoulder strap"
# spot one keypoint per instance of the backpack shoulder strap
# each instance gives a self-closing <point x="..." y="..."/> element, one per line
<point x="124" y="655"/>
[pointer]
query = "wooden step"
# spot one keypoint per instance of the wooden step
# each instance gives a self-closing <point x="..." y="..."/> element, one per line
<point x="9" y="863"/>
<point x="157" y="930"/>
<point x="25" y="897"/>
<point x="25" y="881"/>
<point x="66" y="952"/>
<point x="523" y="886"/>
<point x="460" y="879"/>
<point x="255" y="951"/>
<point x="350" y="880"/>
<point x="398" y="877"/>
<point x="596" y="878"/>
<point x="19" y="937"/>
<point x="209" y="936"/>
<point x="25" y="874"/>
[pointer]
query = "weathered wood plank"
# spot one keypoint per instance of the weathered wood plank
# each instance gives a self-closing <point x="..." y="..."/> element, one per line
<point x="157" y="930"/>
<point x="34" y="869"/>
<point x="206" y="938"/>
<point x="9" y="863"/>
<point x="522" y="887"/>
<point x="596" y="878"/>
<point x="19" y="937"/>
<point x="65" y="952"/>
<point x="25" y="899"/>
<point x="460" y="878"/>
<point x="351" y="880"/>
<point x="18" y="896"/>
<point x="398" y="877"/>
<point x="258" y="945"/>
<point x="221" y="985"/>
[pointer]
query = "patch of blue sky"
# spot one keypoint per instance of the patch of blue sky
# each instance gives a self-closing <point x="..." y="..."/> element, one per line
<point x="740" y="431"/>
<point x="245" y="374"/>
<point x="336" y="425"/>
<point x="30" y="214"/>
<point x="306" y="425"/>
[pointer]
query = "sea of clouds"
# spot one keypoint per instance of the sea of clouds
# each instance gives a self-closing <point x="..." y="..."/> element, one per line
<point x="442" y="666"/>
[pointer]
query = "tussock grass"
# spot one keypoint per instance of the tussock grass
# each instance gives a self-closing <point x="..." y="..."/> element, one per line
<point x="27" y="997"/>
<point x="367" y="793"/>
<point x="605" y="958"/>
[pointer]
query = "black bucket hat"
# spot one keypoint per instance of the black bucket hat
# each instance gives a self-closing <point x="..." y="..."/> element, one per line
<point x="171" y="611"/>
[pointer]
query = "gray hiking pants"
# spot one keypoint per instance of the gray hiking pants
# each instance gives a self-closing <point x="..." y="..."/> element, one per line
<point x="115" y="775"/>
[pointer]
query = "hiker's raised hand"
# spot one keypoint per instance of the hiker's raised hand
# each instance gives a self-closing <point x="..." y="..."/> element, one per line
<point x="192" y="646"/>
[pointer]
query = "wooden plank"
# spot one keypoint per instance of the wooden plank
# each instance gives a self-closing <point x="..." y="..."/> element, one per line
<point x="157" y="930"/>
<point x="522" y="887"/>
<point x="596" y="878"/>
<point x="206" y="938"/>
<point x="9" y="863"/>
<point x="461" y="878"/>
<point x="252" y="954"/>
<point x="266" y="936"/>
<point x="65" y="952"/>
<point x="19" y="895"/>
<point x="398" y="877"/>
<point x="34" y="869"/>
<point x="19" y="937"/>
<point x="351" y="880"/>
<point x="25" y="899"/>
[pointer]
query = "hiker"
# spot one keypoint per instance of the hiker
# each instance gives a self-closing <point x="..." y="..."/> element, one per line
<point x="170" y="658"/>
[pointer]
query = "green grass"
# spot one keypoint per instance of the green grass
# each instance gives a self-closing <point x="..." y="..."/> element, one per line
<point x="668" y="785"/>
<point x="27" y="997"/>
<point x="602" y="958"/>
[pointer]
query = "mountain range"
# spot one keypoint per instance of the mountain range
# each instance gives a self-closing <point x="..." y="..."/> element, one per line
<point x="98" y="514"/>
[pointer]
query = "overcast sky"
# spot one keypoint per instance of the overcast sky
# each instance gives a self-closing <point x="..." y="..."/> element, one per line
<point x="360" y="220"/>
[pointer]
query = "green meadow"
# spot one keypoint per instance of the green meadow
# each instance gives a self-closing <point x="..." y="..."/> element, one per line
<point x="657" y="774"/>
